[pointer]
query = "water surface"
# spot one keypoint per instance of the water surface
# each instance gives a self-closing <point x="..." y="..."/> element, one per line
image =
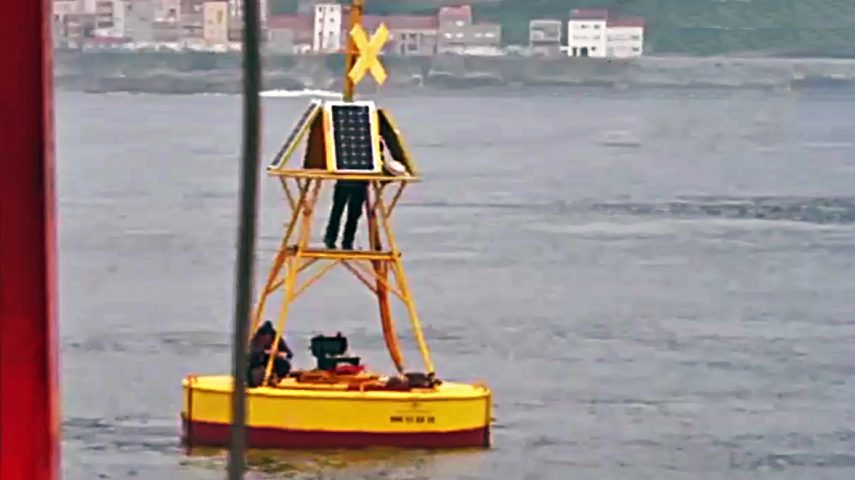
<point x="677" y="309"/>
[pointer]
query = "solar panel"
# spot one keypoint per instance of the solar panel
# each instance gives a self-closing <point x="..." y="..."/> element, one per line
<point x="302" y="124"/>
<point x="393" y="140"/>
<point x="353" y="136"/>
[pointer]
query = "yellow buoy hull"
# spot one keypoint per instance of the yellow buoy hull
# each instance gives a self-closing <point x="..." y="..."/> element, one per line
<point x="297" y="415"/>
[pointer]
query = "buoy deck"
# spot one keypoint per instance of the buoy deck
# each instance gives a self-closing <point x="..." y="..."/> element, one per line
<point x="312" y="415"/>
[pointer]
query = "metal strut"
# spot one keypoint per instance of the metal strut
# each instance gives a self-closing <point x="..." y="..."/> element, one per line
<point x="297" y="266"/>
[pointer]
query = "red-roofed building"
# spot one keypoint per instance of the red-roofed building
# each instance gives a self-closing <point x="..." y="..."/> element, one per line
<point x="408" y="34"/>
<point x="325" y="31"/>
<point x="292" y="22"/>
<point x="454" y="16"/>
<point x="637" y="22"/>
<point x="589" y="14"/>
<point x="594" y="33"/>
<point x="458" y="34"/>
<point x="290" y="33"/>
<point x="625" y="37"/>
<point x="412" y="35"/>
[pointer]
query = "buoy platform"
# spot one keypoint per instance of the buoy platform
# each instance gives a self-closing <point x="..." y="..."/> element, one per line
<point x="339" y="403"/>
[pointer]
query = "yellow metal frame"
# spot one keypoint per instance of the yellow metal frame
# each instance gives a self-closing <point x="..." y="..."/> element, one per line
<point x="297" y="266"/>
<point x="295" y="257"/>
<point x="326" y="175"/>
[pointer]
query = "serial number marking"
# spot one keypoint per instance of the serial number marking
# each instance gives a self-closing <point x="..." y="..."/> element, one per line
<point x="411" y="419"/>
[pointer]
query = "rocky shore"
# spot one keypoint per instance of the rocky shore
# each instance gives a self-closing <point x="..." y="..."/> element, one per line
<point x="203" y="72"/>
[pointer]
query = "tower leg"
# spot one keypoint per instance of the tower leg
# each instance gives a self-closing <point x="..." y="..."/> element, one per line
<point x="381" y="270"/>
<point x="280" y="258"/>
<point x="403" y="285"/>
<point x="414" y="316"/>
<point x="287" y="297"/>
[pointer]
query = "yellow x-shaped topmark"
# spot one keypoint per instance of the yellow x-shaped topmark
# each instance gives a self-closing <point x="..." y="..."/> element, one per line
<point x="368" y="51"/>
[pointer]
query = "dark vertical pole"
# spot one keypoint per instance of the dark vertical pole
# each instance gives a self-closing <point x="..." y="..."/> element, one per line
<point x="29" y="416"/>
<point x="349" y="88"/>
<point x="246" y="233"/>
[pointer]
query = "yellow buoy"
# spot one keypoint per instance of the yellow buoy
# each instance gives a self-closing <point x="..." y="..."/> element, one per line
<point x="339" y="404"/>
<point x="291" y="415"/>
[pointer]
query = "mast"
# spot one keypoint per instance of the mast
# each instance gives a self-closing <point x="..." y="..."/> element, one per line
<point x="375" y="243"/>
<point x="349" y="86"/>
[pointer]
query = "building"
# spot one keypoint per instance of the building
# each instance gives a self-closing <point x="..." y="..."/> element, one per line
<point x="191" y="18"/>
<point x="593" y="33"/>
<point x="414" y="35"/>
<point x="110" y="18"/>
<point x="327" y="28"/>
<point x="454" y="17"/>
<point x="78" y="27"/>
<point x="87" y="6"/>
<point x="290" y="33"/>
<point x="458" y="34"/>
<point x="453" y="23"/>
<point x="139" y="18"/>
<point x="411" y="35"/>
<point x="544" y="37"/>
<point x="586" y="33"/>
<point x="166" y="10"/>
<point x="215" y="30"/>
<point x="625" y="37"/>
<point x="166" y="32"/>
<point x="236" y="10"/>
<point x="483" y="39"/>
<point x="61" y="8"/>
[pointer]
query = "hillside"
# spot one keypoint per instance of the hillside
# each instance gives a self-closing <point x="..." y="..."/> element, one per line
<point x="696" y="27"/>
<point x="705" y="27"/>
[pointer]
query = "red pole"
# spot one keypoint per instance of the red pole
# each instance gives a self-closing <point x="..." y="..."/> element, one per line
<point x="29" y="416"/>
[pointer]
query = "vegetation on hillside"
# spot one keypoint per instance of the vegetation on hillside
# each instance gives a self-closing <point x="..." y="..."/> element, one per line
<point x="704" y="27"/>
<point x="696" y="27"/>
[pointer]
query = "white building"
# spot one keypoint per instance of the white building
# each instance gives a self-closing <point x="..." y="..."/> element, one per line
<point x="61" y="8"/>
<point x="327" y="29"/>
<point x="586" y="33"/>
<point x="544" y="37"/>
<point x="591" y="33"/>
<point x="87" y="6"/>
<point x="625" y="38"/>
<point x="110" y="18"/>
<point x="139" y="18"/>
<point x="167" y="10"/>
<point x="236" y="10"/>
<point x="215" y="29"/>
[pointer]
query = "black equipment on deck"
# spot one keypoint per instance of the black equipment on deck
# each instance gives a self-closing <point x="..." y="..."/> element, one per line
<point x="329" y="352"/>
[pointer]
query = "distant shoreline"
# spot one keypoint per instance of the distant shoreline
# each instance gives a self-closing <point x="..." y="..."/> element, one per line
<point x="204" y="72"/>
